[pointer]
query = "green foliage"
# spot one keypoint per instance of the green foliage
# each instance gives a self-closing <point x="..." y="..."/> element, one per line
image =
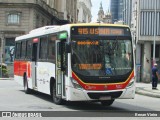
<point x="4" y="71"/>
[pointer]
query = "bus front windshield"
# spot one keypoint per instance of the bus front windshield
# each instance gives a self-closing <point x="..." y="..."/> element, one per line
<point x="102" y="57"/>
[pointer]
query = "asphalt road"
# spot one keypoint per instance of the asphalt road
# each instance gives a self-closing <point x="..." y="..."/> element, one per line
<point x="13" y="98"/>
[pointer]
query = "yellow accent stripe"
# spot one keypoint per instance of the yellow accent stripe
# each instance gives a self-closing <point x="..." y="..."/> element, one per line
<point x="97" y="24"/>
<point x="104" y="83"/>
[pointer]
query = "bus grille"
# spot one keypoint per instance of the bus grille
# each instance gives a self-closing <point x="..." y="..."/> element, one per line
<point x="98" y="95"/>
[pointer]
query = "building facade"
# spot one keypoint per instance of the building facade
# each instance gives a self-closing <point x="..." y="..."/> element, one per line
<point x="127" y="12"/>
<point x="116" y="7"/>
<point x="100" y="13"/>
<point x="107" y="17"/>
<point x="18" y="17"/>
<point x="146" y="31"/>
<point x="84" y="11"/>
<point x="104" y="17"/>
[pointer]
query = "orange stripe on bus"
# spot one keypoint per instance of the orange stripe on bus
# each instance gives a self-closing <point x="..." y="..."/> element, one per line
<point x="29" y="70"/>
<point x="103" y="86"/>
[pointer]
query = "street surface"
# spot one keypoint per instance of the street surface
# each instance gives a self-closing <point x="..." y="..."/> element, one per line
<point x="13" y="98"/>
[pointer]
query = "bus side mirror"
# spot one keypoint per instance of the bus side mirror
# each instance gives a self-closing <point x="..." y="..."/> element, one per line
<point x="67" y="47"/>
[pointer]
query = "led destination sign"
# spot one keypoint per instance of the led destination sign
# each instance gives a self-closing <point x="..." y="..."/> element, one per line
<point x="88" y="43"/>
<point x="98" y="31"/>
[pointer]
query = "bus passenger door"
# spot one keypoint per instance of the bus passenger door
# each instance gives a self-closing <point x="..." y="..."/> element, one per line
<point x="34" y="65"/>
<point x="59" y="74"/>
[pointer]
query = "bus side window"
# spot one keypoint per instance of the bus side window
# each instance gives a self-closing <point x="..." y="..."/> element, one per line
<point x="64" y="57"/>
<point x="18" y="50"/>
<point x="43" y="48"/>
<point x="51" y="48"/>
<point x="23" y="54"/>
<point x="29" y="49"/>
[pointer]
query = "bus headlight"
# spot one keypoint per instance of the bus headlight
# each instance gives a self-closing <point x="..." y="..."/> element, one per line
<point x="130" y="84"/>
<point x="76" y="84"/>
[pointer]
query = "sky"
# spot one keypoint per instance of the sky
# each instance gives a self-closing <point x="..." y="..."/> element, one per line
<point x="96" y="6"/>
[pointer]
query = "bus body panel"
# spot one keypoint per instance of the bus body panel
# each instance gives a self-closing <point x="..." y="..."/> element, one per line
<point x="46" y="70"/>
<point x="20" y="67"/>
<point x="103" y="86"/>
<point x="75" y="95"/>
<point x="129" y="93"/>
<point x="82" y="95"/>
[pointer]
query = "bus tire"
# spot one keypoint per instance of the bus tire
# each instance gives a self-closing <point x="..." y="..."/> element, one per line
<point x="107" y="102"/>
<point x="56" y="99"/>
<point x="26" y="89"/>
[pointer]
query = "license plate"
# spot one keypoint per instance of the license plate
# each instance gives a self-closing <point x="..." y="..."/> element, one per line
<point x="105" y="98"/>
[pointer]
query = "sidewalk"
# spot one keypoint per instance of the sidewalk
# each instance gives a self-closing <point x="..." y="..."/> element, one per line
<point x="146" y="89"/>
<point x="10" y="78"/>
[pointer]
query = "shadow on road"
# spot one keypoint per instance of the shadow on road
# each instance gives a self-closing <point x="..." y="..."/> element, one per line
<point x="92" y="106"/>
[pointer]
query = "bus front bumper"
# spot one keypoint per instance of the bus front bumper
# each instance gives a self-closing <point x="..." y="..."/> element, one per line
<point x="83" y="95"/>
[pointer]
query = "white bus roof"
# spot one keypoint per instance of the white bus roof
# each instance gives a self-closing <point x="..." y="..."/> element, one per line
<point x="54" y="28"/>
<point x="39" y="31"/>
<point x="43" y="29"/>
<point x="98" y="24"/>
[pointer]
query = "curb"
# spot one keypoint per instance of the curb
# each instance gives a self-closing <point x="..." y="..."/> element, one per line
<point x="6" y="78"/>
<point x="141" y="91"/>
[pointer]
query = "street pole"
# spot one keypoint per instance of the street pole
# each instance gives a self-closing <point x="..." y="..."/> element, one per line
<point x="2" y="38"/>
<point x="154" y="43"/>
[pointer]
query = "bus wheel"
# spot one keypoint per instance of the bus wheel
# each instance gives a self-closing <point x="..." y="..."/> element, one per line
<point x="56" y="99"/>
<point x="26" y="89"/>
<point x="107" y="102"/>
